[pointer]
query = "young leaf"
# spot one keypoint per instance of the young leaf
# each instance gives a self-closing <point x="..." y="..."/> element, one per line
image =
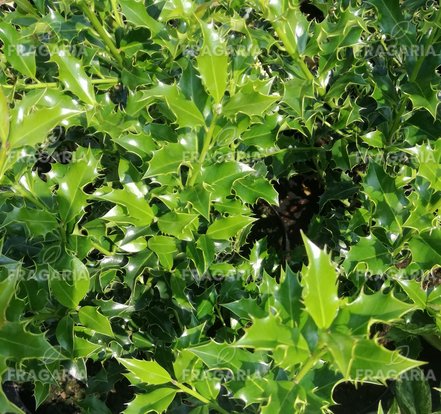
<point x="319" y="281"/>
<point x="92" y="319"/>
<point x="149" y="372"/>
<point x="251" y="103"/>
<point x="35" y="127"/>
<point x="4" y="118"/>
<point x="157" y="400"/>
<point x="213" y="62"/>
<point x="225" y="228"/>
<point x="136" y="13"/>
<point x="70" y="194"/>
<point x="19" y="52"/>
<point x="71" y="283"/>
<point x="73" y="76"/>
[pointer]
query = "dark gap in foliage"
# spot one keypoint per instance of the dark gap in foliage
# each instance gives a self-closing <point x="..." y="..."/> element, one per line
<point x="298" y="202"/>
<point x="360" y="399"/>
<point x="311" y="11"/>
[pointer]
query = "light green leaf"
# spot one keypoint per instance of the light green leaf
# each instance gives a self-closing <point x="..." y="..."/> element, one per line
<point x="370" y="251"/>
<point x="252" y="103"/>
<point x="389" y="200"/>
<point x="164" y="247"/>
<point x="70" y="194"/>
<point x="221" y="177"/>
<point x="251" y="188"/>
<point x="136" y="13"/>
<point x="149" y="372"/>
<point x="156" y="400"/>
<point x="35" y="127"/>
<point x="186" y="112"/>
<point x="380" y="306"/>
<point x="18" y="343"/>
<point x="166" y="160"/>
<point x="422" y="97"/>
<point x="319" y="281"/>
<point x="73" y="76"/>
<point x="226" y="356"/>
<point x="71" y="283"/>
<point x="425" y="248"/>
<point x="19" y="52"/>
<point x="180" y="225"/>
<point x="225" y="228"/>
<point x="92" y="319"/>
<point x="374" y="139"/>
<point x="371" y="361"/>
<point x="4" y="118"/>
<point x="137" y="210"/>
<point x="213" y="62"/>
<point x="199" y="198"/>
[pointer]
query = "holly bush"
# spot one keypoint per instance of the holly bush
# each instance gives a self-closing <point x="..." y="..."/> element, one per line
<point x="219" y="206"/>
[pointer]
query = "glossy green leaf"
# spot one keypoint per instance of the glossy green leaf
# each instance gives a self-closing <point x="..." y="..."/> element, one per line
<point x="166" y="160"/>
<point x="70" y="194"/>
<point x="18" y="343"/>
<point x="186" y="112"/>
<point x="165" y="248"/>
<point x="156" y="401"/>
<point x="37" y="222"/>
<point x="4" y="117"/>
<point x="136" y="13"/>
<point x="225" y="228"/>
<point x="149" y="372"/>
<point x="319" y="280"/>
<point x="131" y="198"/>
<point x="73" y="76"/>
<point x="180" y="225"/>
<point x="92" y="319"/>
<point x="20" y="53"/>
<point x="35" y="127"/>
<point x="70" y="282"/>
<point x="253" y="103"/>
<point x="380" y="306"/>
<point x="213" y="62"/>
<point x="425" y="248"/>
<point x="7" y="289"/>
<point x="388" y="199"/>
<point x="250" y="189"/>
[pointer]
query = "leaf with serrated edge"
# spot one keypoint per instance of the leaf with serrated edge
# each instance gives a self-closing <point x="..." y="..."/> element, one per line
<point x="319" y="281"/>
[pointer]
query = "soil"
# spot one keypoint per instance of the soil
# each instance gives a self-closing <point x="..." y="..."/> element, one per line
<point x="65" y="398"/>
<point x="62" y="400"/>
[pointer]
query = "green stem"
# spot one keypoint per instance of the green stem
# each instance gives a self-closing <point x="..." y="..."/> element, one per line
<point x="293" y="52"/>
<point x="102" y="249"/>
<point x="309" y="364"/>
<point x="3" y="159"/>
<point x="105" y="37"/>
<point x="116" y="14"/>
<point x="204" y="151"/>
<point x="42" y="85"/>
<point x="199" y="397"/>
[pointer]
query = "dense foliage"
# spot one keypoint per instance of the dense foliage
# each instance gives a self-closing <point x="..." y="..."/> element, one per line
<point x="231" y="205"/>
